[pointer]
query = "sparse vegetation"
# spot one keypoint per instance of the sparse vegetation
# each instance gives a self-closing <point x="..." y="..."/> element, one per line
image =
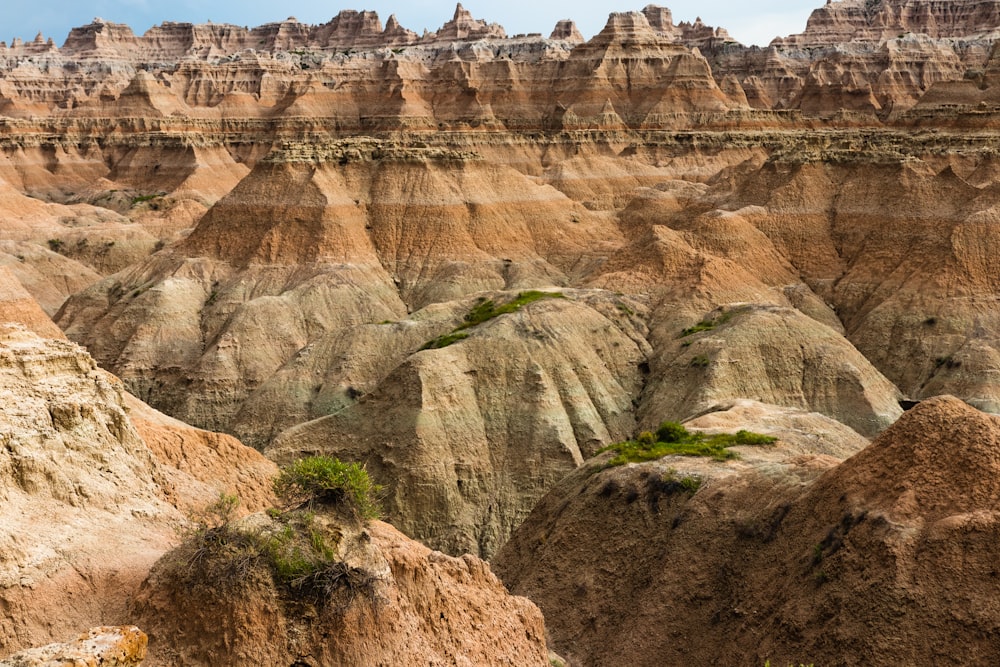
<point x="708" y="324"/>
<point x="328" y="481"/>
<point x="700" y="361"/>
<point x="672" y="438"/>
<point x="56" y="245"/>
<point x="947" y="362"/>
<point x="142" y="199"/>
<point x="688" y="483"/>
<point x="486" y="310"/>
<point x="297" y="550"/>
<point x="445" y="340"/>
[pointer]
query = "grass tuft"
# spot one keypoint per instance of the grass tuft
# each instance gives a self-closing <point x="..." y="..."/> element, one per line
<point x="329" y="481"/>
<point x="708" y="323"/>
<point x="672" y="439"/>
<point x="486" y="310"/>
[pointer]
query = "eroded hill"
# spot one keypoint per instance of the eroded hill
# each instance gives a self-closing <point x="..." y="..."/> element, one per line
<point x="471" y="261"/>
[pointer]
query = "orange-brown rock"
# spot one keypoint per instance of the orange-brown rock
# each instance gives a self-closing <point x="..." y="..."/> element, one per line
<point x="123" y="646"/>
<point x="89" y="502"/>
<point x="423" y="608"/>
<point x="876" y="559"/>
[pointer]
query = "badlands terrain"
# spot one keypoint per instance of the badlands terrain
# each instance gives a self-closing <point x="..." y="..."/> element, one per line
<point x="471" y="261"/>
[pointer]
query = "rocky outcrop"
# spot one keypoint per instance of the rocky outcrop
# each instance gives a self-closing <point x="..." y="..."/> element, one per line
<point x="566" y="30"/>
<point x="646" y="78"/>
<point x="894" y="563"/>
<point x="480" y="428"/>
<point x="104" y="646"/>
<point x="774" y="355"/>
<point x="342" y="245"/>
<point x="896" y="53"/>
<point x="842" y="21"/>
<point x="408" y="606"/>
<point x="895" y="298"/>
<point x="463" y="26"/>
<point x="88" y="503"/>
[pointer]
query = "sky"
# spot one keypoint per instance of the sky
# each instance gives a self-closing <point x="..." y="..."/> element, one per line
<point x="749" y="22"/>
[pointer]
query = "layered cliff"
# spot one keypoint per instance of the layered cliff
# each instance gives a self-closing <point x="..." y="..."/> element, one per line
<point x="291" y="212"/>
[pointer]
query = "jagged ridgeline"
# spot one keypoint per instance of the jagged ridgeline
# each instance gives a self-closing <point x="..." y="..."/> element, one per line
<point x="622" y="312"/>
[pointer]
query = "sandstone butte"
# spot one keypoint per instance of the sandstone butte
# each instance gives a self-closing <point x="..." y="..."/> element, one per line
<point x="470" y="261"/>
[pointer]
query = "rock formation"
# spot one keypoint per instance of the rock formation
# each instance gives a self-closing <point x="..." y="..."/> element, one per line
<point x="875" y="559"/>
<point x="104" y="646"/>
<point x="98" y="486"/>
<point x="470" y="261"/>
<point x="89" y="504"/>
<point x="502" y="414"/>
<point x="411" y="606"/>
<point x="843" y="21"/>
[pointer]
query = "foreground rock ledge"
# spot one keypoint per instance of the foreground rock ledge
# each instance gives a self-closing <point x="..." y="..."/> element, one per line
<point x="123" y="646"/>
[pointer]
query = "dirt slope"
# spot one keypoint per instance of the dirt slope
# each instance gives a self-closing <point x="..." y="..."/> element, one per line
<point x="875" y="560"/>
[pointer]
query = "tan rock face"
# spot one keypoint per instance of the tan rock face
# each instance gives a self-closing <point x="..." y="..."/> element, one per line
<point x="466" y="437"/>
<point x="750" y="353"/>
<point x="860" y="20"/>
<point x="893" y="563"/>
<point x="104" y="646"/>
<point x="89" y="500"/>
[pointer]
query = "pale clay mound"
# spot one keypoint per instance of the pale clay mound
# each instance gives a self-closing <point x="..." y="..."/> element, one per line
<point x="871" y="561"/>
<point x="467" y="437"/>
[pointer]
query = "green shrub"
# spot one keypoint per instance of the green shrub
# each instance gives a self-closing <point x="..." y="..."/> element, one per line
<point x="690" y="484"/>
<point x="646" y="438"/>
<point x="329" y="481"/>
<point x="704" y="325"/>
<point x="142" y="199"/>
<point x="671" y="432"/>
<point x="296" y="553"/>
<point x="743" y="437"/>
<point x="700" y="361"/>
<point x="709" y="323"/>
<point x="445" y="340"/>
<point x="486" y="310"/>
<point x="56" y="245"/>
<point x="673" y="439"/>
